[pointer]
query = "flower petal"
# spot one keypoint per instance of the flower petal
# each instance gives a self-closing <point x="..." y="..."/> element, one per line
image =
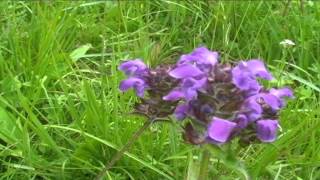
<point x="140" y="90"/>
<point x="253" y="90"/>
<point x="190" y="94"/>
<point x="245" y="73"/>
<point x="273" y="101"/>
<point x="185" y="71"/>
<point x="243" y="78"/>
<point x="207" y="57"/>
<point x="190" y="86"/>
<point x="283" y="92"/>
<point x="192" y="83"/>
<point x="267" y="130"/>
<point x="202" y="57"/>
<point x="258" y="68"/>
<point x="181" y="111"/>
<point x="252" y="109"/>
<point x="187" y="59"/>
<point x="242" y="121"/>
<point x="220" y="129"/>
<point x="173" y="95"/>
<point x="138" y="84"/>
<point x="132" y="67"/>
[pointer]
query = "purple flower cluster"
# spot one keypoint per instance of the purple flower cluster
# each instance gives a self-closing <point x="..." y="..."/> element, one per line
<point x="135" y="70"/>
<point x="218" y="101"/>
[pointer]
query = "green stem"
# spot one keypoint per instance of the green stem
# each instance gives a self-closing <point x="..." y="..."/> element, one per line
<point x="126" y="147"/>
<point x="204" y="164"/>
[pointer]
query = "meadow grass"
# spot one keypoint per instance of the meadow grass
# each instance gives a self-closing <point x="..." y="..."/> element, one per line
<point x="62" y="115"/>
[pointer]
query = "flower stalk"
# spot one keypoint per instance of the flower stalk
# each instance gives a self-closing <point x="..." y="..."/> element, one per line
<point x="204" y="165"/>
<point x="125" y="148"/>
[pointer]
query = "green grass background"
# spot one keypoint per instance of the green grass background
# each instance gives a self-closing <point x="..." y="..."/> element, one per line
<point x="62" y="115"/>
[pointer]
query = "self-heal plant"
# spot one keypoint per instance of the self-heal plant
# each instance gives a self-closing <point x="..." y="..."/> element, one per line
<point x="225" y="101"/>
<point x="214" y="102"/>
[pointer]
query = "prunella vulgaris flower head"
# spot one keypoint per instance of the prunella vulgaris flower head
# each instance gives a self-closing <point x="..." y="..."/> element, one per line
<point x="216" y="102"/>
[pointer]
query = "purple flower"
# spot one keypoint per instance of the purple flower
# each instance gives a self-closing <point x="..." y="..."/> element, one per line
<point x="258" y="69"/>
<point x="273" y="101"/>
<point x="252" y="109"/>
<point x="133" y="67"/>
<point x="274" y="98"/>
<point x="174" y="95"/>
<point x="267" y="130"/>
<point x="243" y="79"/>
<point x="187" y="90"/>
<point x="190" y="86"/>
<point x="202" y="57"/>
<point x="242" y="121"/>
<point x="136" y="83"/>
<point x="185" y="71"/>
<point x="220" y="129"/>
<point x="221" y="100"/>
<point x="135" y="70"/>
<point x="181" y="111"/>
<point x="191" y="70"/>
<point x="280" y="93"/>
<point x="245" y="73"/>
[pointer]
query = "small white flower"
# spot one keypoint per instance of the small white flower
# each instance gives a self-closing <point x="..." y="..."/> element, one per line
<point x="287" y="43"/>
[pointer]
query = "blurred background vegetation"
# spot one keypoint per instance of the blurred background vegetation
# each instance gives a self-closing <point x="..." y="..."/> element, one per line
<point x="62" y="116"/>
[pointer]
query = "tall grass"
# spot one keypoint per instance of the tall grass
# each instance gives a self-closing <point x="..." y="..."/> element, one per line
<point x="62" y="116"/>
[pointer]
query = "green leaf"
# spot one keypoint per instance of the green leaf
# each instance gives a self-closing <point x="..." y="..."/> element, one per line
<point x="9" y="131"/>
<point x="113" y="146"/>
<point x="303" y="81"/>
<point x="9" y="84"/>
<point x="193" y="169"/>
